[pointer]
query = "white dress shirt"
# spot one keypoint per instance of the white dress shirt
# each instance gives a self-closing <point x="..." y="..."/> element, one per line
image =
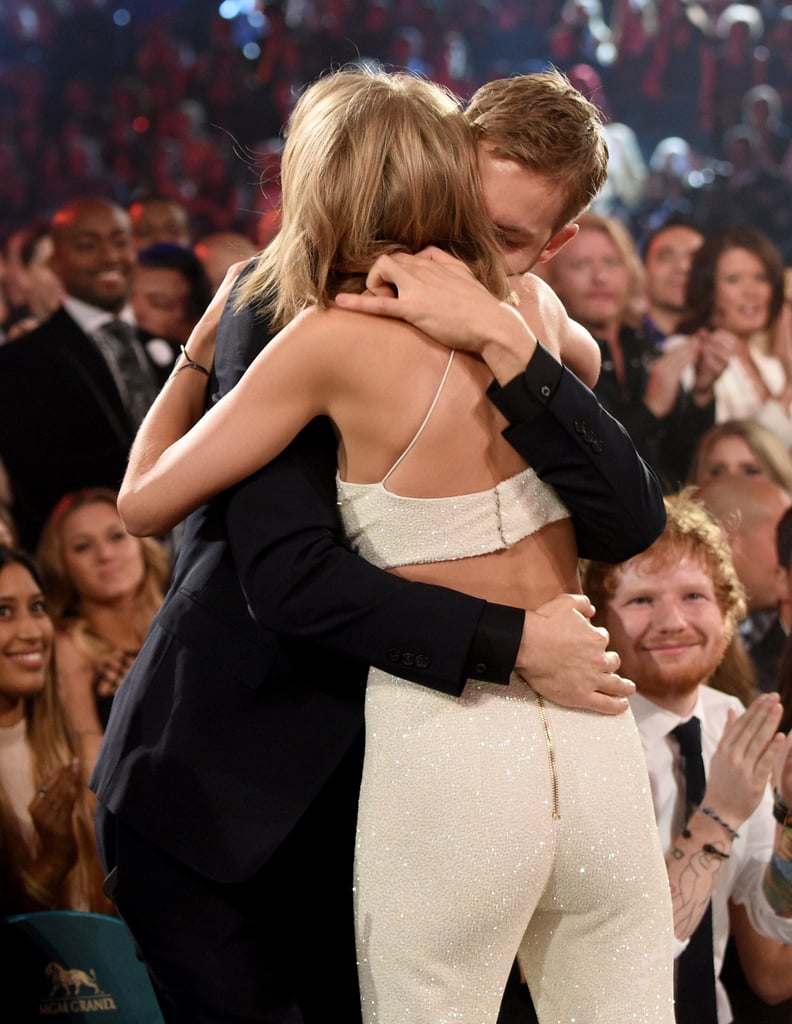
<point x="736" y="395"/>
<point x="740" y="877"/>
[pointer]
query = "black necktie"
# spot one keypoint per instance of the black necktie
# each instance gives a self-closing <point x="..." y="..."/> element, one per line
<point x="132" y="372"/>
<point x="695" y="968"/>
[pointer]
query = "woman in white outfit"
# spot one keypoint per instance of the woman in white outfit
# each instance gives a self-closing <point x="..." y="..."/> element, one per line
<point x="736" y="288"/>
<point x="497" y="822"/>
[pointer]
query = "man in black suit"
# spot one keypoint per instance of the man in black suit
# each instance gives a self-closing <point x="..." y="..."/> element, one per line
<point x="74" y="390"/>
<point x="228" y="777"/>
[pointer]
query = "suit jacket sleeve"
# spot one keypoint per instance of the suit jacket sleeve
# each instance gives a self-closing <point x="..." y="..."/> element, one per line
<point x="300" y="579"/>
<point x="560" y="428"/>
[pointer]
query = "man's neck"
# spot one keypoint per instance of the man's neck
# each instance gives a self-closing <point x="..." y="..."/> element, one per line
<point x="680" y="704"/>
<point x="89" y="317"/>
<point x="664" y="320"/>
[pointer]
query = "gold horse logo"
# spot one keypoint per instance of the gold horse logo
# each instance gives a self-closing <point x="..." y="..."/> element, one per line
<point x="69" y="982"/>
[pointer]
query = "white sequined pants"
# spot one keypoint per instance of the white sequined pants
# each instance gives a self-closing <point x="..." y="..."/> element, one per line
<point x="461" y="863"/>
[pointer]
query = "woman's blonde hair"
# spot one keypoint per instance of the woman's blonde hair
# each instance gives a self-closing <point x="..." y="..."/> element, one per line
<point x="51" y="747"/>
<point x="373" y="163"/>
<point x="765" y="444"/>
<point x="64" y="599"/>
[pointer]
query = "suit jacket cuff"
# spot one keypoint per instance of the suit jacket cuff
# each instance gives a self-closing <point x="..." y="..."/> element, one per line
<point x="493" y="649"/>
<point x="526" y="396"/>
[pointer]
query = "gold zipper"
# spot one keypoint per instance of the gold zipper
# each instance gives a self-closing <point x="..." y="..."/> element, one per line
<point x="551" y="755"/>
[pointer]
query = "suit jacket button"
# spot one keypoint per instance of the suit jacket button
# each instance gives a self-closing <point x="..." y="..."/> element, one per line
<point x="480" y="668"/>
<point x="597" y="447"/>
<point x="580" y="426"/>
<point x="408" y="659"/>
<point x="422" y="661"/>
<point x="394" y="654"/>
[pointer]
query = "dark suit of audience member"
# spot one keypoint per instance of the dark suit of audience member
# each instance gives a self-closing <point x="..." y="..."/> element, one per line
<point x="598" y="277"/>
<point x="665" y="442"/>
<point x="229" y="773"/>
<point x="74" y="390"/>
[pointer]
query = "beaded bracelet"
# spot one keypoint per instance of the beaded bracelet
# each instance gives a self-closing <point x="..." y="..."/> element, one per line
<point x="189" y="365"/>
<point x="716" y="817"/>
<point x="783" y="867"/>
<point x="781" y="811"/>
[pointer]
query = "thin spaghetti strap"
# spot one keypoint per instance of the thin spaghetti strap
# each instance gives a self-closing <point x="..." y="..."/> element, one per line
<point x="426" y="419"/>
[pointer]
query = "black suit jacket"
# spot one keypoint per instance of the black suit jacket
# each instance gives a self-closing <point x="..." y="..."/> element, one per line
<point x="249" y="687"/>
<point x="62" y="421"/>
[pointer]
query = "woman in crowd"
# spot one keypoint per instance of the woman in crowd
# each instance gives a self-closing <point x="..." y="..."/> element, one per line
<point x="742" y="448"/>
<point x="598" y="277"/>
<point x="48" y="857"/>
<point x="735" y="292"/>
<point x="477" y="818"/>
<point x="104" y="587"/>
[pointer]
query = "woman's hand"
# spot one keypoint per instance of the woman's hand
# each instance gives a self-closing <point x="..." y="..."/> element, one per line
<point x="52" y="812"/>
<point x="662" y="385"/>
<point x="201" y="343"/>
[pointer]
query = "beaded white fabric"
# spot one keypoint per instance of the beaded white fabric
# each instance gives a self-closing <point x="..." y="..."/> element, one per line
<point x="461" y="862"/>
<point x="390" y="529"/>
<point x="497" y="822"/>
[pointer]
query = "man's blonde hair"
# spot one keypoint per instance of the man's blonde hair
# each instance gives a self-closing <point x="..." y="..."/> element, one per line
<point x="691" y="531"/>
<point x="373" y="163"/>
<point x="542" y="122"/>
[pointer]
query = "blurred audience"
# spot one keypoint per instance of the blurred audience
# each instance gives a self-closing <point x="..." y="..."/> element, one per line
<point x="750" y="509"/>
<point x="741" y="448"/>
<point x="73" y="391"/>
<point x="170" y="291"/>
<point x="219" y="250"/>
<point x="8" y="530"/>
<point x="667" y="253"/>
<point x="736" y="291"/>
<point x="104" y="587"/>
<point x="48" y="858"/>
<point x="598" y="277"/>
<point x="37" y="287"/>
<point x="158" y="219"/>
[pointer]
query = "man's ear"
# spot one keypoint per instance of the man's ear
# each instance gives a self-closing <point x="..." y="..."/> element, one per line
<point x="558" y="241"/>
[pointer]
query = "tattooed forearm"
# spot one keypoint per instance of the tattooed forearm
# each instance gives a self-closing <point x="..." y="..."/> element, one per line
<point x="692" y="871"/>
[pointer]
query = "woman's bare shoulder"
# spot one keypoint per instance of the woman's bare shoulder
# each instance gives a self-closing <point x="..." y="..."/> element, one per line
<point x="71" y="660"/>
<point x="568" y="340"/>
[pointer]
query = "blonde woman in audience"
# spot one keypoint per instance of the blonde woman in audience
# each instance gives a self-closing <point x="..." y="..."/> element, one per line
<point x="735" y="292"/>
<point x="48" y="857"/>
<point x="105" y="587"/>
<point x="742" y="448"/>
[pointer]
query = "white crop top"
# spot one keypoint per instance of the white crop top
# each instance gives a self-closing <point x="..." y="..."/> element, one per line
<point x="390" y="529"/>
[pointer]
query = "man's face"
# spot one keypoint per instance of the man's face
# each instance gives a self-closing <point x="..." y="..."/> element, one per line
<point x="667" y="264"/>
<point x="160" y="297"/>
<point x="156" y="220"/>
<point x="667" y="627"/>
<point x="524" y="207"/>
<point x="592" y="280"/>
<point x="94" y="257"/>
